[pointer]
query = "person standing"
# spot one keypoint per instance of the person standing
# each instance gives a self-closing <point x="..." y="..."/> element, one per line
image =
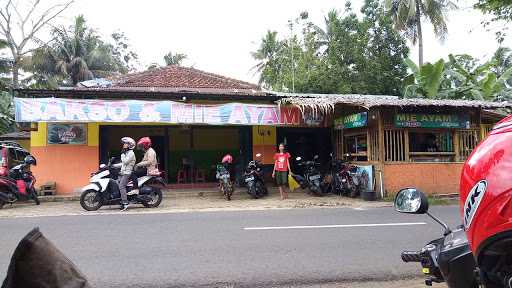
<point x="127" y="164"/>
<point x="281" y="170"/>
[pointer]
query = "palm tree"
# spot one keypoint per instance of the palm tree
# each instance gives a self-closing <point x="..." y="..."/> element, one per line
<point x="268" y="57"/>
<point x="407" y="15"/>
<point x="76" y="55"/>
<point x="174" y="59"/>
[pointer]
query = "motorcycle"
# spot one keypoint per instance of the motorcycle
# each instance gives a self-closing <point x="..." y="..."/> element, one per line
<point x="311" y="177"/>
<point x="20" y="184"/>
<point x="225" y="183"/>
<point x="332" y="181"/>
<point x="253" y="177"/>
<point x="104" y="189"/>
<point x="446" y="259"/>
<point x="353" y="181"/>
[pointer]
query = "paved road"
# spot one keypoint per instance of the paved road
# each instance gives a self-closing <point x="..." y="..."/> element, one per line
<point x="214" y="249"/>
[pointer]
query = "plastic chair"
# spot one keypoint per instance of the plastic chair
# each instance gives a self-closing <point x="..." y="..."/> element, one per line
<point x="200" y="176"/>
<point x="181" y="177"/>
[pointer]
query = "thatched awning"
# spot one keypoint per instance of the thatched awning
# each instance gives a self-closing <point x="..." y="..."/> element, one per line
<point x="327" y="102"/>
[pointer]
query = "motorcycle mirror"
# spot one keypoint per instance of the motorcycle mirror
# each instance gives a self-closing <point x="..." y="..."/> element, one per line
<point x="102" y="166"/>
<point x="412" y="201"/>
<point x="298" y="158"/>
<point x="258" y="155"/>
<point x="316" y="157"/>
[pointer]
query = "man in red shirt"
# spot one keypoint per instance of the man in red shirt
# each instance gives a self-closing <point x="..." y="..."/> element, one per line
<point x="281" y="169"/>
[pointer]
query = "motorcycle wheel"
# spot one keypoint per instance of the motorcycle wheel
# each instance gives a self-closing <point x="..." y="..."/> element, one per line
<point x="228" y="191"/>
<point x="2" y="203"/>
<point x="260" y="189"/>
<point x="34" y="196"/>
<point x="354" y="191"/>
<point x="253" y="192"/>
<point x="156" y="199"/>
<point x="90" y="200"/>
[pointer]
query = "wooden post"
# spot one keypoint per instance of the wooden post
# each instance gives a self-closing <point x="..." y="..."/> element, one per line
<point x="166" y="153"/>
<point x="381" y="136"/>
<point x="456" y="145"/>
<point x="406" y="136"/>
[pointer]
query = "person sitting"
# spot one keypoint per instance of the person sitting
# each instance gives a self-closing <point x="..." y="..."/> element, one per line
<point x="149" y="163"/>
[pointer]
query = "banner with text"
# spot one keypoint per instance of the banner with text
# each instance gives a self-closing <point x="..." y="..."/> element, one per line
<point x="84" y="110"/>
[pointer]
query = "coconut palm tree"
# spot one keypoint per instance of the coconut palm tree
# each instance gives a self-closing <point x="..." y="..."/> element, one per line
<point x="407" y="15"/>
<point x="268" y="57"/>
<point x="77" y="54"/>
<point x="174" y="58"/>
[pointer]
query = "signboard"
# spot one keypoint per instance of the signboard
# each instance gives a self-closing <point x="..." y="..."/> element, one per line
<point x="352" y="121"/>
<point x="60" y="133"/>
<point x="120" y="111"/>
<point x="415" y="120"/>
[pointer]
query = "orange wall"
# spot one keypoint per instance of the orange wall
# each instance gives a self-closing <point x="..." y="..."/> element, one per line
<point x="438" y="178"/>
<point x="70" y="166"/>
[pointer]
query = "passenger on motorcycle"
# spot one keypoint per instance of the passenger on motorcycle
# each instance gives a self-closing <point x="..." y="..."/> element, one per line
<point x="149" y="162"/>
<point x="127" y="164"/>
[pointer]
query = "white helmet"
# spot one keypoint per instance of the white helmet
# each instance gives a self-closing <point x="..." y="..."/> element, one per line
<point x="127" y="140"/>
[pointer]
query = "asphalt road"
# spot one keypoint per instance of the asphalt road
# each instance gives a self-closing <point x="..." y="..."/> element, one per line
<point x="214" y="249"/>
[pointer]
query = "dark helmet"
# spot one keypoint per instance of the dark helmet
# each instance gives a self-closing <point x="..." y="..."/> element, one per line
<point x="30" y="160"/>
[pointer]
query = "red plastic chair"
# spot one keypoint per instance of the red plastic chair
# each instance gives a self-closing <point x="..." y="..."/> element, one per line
<point x="181" y="177"/>
<point x="200" y="176"/>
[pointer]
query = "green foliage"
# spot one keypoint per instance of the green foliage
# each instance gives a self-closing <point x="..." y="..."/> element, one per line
<point x="78" y="53"/>
<point x="462" y="77"/>
<point x="174" y="58"/>
<point x="347" y="55"/>
<point x="501" y="9"/>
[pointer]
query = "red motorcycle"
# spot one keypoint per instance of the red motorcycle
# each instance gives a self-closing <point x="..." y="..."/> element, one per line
<point x="20" y="184"/>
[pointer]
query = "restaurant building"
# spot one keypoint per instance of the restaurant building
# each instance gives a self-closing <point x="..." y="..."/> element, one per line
<point x="193" y="118"/>
<point x="419" y="143"/>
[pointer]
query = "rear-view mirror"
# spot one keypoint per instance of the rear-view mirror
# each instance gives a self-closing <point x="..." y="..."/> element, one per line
<point x="412" y="201"/>
<point x="102" y="166"/>
<point x="316" y="157"/>
<point x="298" y="158"/>
<point x="258" y="155"/>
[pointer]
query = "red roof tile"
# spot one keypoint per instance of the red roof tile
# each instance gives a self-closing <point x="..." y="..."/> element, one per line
<point x="177" y="78"/>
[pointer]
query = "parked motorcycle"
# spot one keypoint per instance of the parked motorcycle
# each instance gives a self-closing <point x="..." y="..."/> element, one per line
<point x="253" y="178"/>
<point x="20" y="184"/>
<point x="104" y="189"/>
<point x="311" y="177"/>
<point x="446" y="259"/>
<point x="225" y="183"/>
<point x="332" y="181"/>
<point x="353" y="180"/>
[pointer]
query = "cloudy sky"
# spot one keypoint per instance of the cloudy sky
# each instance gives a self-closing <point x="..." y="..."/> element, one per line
<point x="219" y="35"/>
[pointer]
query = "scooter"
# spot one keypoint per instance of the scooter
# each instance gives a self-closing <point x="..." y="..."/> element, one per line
<point x="311" y="177"/>
<point x="225" y="184"/>
<point x="446" y="259"/>
<point x="20" y="185"/>
<point x="253" y="178"/>
<point x="104" y="189"/>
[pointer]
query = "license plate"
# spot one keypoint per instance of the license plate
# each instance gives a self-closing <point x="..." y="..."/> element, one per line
<point x="314" y="177"/>
<point x="249" y="179"/>
<point x="426" y="271"/>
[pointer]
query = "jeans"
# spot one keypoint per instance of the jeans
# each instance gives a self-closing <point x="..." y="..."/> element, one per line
<point x="123" y="181"/>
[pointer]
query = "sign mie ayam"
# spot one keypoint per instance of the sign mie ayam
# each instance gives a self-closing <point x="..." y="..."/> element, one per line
<point x="418" y="120"/>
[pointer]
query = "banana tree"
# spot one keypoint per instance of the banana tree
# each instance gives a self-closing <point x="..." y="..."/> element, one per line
<point x="424" y="81"/>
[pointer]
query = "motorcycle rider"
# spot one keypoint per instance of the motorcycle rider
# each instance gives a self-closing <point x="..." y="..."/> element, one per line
<point x="149" y="162"/>
<point x="127" y="164"/>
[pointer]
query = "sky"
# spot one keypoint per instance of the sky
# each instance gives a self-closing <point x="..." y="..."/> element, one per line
<point x="219" y="35"/>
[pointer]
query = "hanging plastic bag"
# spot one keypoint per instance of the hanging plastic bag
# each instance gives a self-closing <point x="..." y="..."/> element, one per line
<point x="292" y="183"/>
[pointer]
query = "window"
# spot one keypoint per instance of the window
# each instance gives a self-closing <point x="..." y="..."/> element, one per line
<point x="356" y="145"/>
<point x="431" y="146"/>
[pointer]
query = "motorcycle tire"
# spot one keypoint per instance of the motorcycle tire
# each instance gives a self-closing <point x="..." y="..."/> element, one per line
<point x="2" y="203"/>
<point x="260" y="189"/>
<point x="36" y="199"/>
<point x="354" y="191"/>
<point x="93" y="206"/>
<point x="229" y="191"/>
<point x="253" y="192"/>
<point x="156" y="201"/>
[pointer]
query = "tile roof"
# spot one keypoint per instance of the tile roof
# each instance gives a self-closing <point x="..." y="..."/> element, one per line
<point x="182" y="79"/>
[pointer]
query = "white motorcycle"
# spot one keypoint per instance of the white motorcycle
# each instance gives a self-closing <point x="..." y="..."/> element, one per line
<point x="104" y="190"/>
